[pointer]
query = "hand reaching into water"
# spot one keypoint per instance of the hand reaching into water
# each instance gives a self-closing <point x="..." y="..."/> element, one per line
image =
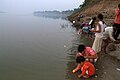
<point x="74" y="71"/>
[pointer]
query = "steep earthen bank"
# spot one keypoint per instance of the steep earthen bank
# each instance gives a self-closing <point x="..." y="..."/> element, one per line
<point x="92" y="8"/>
<point x="108" y="65"/>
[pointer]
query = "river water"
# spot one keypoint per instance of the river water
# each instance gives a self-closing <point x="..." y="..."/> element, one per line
<point x="34" y="48"/>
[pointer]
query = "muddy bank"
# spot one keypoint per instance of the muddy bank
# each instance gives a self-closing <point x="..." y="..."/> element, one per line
<point x="107" y="66"/>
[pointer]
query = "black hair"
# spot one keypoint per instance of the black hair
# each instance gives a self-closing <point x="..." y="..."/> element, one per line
<point x="93" y="22"/>
<point x="81" y="48"/>
<point x="100" y="16"/>
<point x="94" y="18"/>
<point x="80" y="59"/>
<point x="118" y="5"/>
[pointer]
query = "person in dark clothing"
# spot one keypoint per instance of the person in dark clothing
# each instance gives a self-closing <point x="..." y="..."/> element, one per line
<point x="117" y="23"/>
<point x="92" y="25"/>
<point x="92" y="22"/>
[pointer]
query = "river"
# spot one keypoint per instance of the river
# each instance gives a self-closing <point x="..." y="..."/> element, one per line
<point x="34" y="48"/>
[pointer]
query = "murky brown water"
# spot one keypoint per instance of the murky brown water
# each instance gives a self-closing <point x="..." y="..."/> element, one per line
<point x="32" y="48"/>
<point x="36" y="48"/>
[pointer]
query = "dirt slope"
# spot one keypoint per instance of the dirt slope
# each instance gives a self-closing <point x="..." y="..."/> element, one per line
<point x="108" y="65"/>
<point x="93" y="7"/>
<point x="106" y="7"/>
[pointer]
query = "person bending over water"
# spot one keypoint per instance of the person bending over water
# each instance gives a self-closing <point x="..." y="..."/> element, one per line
<point x="87" y="52"/>
<point x="86" y="67"/>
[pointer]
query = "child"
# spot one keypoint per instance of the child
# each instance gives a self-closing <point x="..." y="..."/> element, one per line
<point x="88" y="53"/>
<point x="86" y="67"/>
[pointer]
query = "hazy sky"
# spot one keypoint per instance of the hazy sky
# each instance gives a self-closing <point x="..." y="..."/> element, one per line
<point x="25" y="6"/>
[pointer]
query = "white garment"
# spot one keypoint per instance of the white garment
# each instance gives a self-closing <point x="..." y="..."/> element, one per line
<point x="97" y="44"/>
<point x="108" y="33"/>
<point x="100" y="35"/>
<point x="90" y="22"/>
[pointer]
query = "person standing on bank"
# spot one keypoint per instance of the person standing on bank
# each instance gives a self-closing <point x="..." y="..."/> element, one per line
<point x="92" y="22"/>
<point x="97" y="44"/>
<point x="92" y="25"/>
<point x="117" y="22"/>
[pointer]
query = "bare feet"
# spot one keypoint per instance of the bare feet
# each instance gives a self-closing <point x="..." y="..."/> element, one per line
<point x="86" y="76"/>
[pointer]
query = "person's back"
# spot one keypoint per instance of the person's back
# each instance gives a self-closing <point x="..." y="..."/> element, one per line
<point x="85" y="51"/>
<point x="100" y="34"/>
<point x="86" y="67"/>
<point x="108" y="29"/>
<point x="108" y="37"/>
<point x="109" y="33"/>
<point x="89" y="51"/>
<point x="90" y="67"/>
